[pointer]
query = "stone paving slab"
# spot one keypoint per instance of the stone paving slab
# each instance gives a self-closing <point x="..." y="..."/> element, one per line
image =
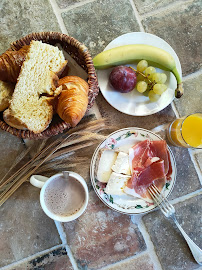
<point x="169" y="245"/>
<point x="99" y="22"/>
<point x="102" y="236"/>
<point x="141" y="263"/>
<point x="187" y="180"/>
<point x="11" y="147"/>
<point x="147" y="6"/>
<point x="19" y="18"/>
<point x="122" y="120"/>
<point x="181" y="28"/>
<point x="25" y="229"/>
<point x="54" y="260"/>
<point x="191" y="101"/>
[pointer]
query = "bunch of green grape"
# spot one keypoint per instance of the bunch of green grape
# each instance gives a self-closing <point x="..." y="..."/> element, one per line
<point x="150" y="81"/>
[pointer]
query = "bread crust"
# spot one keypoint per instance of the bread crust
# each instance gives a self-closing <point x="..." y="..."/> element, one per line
<point x="10" y="64"/>
<point x="32" y="102"/>
<point x="12" y="121"/>
<point x="6" y="91"/>
<point x="73" y="100"/>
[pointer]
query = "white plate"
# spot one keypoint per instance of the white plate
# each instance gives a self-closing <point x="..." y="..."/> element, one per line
<point x="123" y="139"/>
<point x="134" y="103"/>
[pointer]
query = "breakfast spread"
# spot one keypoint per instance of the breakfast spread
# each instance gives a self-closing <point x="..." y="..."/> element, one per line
<point x="39" y="92"/>
<point x="145" y="163"/>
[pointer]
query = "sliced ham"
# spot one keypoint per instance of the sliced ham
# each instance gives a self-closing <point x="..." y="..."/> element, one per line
<point x="151" y="173"/>
<point x="159" y="149"/>
<point x="138" y="154"/>
<point x="168" y="175"/>
<point x="144" y="193"/>
<point x="144" y="176"/>
<point x="150" y="164"/>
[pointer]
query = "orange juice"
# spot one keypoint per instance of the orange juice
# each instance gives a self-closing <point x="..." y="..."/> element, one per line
<point x="192" y="130"/>
<point x="186" y="131"/>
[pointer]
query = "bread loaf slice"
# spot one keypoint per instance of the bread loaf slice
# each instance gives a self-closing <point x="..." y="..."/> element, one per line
<point x="30" y="106"/>
<point x="6" y="91"/>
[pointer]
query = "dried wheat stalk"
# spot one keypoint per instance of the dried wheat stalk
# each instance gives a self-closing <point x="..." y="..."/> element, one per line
<point x="82" y="136"/>
<point x="92" y="126"/>
<point x="27" y="170"/>
<point x="57" y="165"/>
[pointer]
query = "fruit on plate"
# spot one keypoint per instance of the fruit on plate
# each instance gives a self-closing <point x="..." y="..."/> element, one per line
<point x="150" y="81"/>
<point x="123" y="79"/>
<point x="129" y="53"/>
<point x="141" y="86"/>
<point x="142" y="65"/>
<point x="153" y="96"/>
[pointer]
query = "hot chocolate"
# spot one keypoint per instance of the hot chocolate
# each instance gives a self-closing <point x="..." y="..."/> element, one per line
<point x="64" y="197"/>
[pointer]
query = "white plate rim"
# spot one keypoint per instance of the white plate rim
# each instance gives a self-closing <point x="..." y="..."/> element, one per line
<point x="93" y="163"/>
<point x="152" y="36"/>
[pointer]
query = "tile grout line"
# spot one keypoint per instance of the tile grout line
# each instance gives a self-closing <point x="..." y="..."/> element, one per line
<point x="71" y="257"/>
<point x="63" y="237"/>
<point x="149" y="244"/>
<point x="137" y="16"/>
<point x="160" y="128"/>
<point x="196" y="150"/>
<point x="178" y="200"/>
<point x="186" y="197"/>
<point x="124" y="260"/>
<point x="192" y="75"/>
<point x="196" y="165"/>
<point x="164" y="9"/>
<point x="61" y="232"/>
<point x="175" y="109"/>
<point x="80" y="4"/>
<point x="57" y="13"/>
<point x="29" y="258"/>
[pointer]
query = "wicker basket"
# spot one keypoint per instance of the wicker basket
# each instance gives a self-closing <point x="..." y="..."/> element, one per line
<point x="80" y="54"/>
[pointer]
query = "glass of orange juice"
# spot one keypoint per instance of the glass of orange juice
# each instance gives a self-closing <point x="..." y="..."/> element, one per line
<point x="186" y="131"/>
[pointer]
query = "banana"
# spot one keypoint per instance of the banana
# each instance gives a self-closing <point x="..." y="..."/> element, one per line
<point x="129" y="53"/>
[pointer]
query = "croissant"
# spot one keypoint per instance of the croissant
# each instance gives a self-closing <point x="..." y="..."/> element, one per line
<point x="73" y="100"/>
<point x="10" y="64"/>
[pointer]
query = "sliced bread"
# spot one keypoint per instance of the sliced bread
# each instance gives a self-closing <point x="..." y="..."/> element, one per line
<point x="30" y="105"/>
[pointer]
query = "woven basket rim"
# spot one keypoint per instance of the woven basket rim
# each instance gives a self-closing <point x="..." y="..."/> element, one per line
<point x="64" y="40"/>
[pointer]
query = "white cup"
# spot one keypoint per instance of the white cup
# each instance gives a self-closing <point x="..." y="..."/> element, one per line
<point x="42" y="182"/>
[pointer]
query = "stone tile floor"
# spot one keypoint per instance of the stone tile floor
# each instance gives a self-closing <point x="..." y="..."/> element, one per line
<point x="101" y="238"/>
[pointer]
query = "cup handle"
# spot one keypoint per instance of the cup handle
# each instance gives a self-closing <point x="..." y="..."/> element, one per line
<point x="38" y="180"/>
